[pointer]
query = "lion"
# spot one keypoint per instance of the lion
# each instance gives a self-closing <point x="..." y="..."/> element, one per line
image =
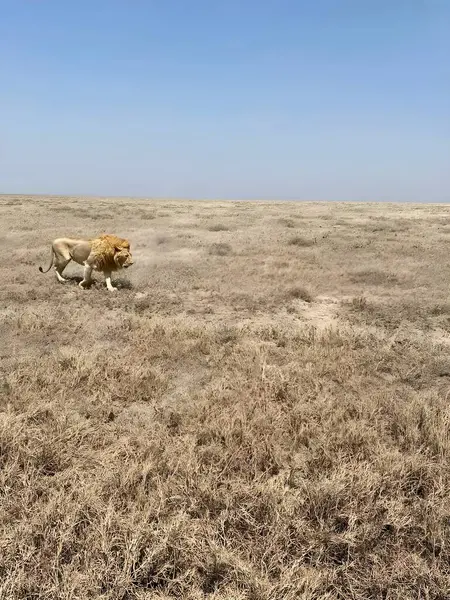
<point x="106" y="253"/>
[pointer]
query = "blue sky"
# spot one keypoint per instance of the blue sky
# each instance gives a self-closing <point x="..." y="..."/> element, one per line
<point x="313" y="100"/>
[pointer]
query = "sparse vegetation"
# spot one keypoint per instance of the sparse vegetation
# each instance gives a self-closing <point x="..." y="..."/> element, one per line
<point x="199" y="434"/>
<point x="290" y="223"/>
<point x="220" y="249"/>
<point x="298" y="240"/>
<point x="218" y="227"/>
<point x="300" y="293"/>
<point x="373" y="277"/>
<point x="147" y="215"/>
<point x="359" y="303"/>
<point x="161" y="239"/>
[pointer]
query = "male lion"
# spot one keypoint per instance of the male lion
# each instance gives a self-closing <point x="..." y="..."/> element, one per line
<point x="107" y="253"/>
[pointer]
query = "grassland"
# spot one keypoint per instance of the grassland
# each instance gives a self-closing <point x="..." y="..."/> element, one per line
<point x="261" y="411"/>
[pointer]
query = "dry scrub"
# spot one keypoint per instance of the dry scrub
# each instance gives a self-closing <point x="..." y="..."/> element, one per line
<point x="265" y="422"/>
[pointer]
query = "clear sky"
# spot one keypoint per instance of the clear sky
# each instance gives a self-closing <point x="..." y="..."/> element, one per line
<point x="288" y="99"/>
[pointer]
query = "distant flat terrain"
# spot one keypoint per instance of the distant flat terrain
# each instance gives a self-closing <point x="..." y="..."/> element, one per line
<point x="261" y="411"/>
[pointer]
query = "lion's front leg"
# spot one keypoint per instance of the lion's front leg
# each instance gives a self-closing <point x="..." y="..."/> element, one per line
<point x="87" y="277"/>
<point x="109" y="285"/>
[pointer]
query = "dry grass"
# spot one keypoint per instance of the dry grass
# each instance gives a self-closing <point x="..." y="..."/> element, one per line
<point x="218" y="227"/>
<point x="215" y="429"/>
<point x="287" y="222"/>
<point x="300" y="293"/>
<point x="298" y="240"/>
<point x="220" y="249"/>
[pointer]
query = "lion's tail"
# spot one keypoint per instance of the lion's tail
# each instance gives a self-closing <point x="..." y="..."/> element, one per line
<point x="51" y="263"/>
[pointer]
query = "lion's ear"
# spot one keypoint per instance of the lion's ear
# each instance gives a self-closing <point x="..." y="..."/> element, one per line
<point x="117" y="249"/>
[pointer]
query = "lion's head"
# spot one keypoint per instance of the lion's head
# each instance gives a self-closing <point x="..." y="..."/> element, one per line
<point x="122" y="257"/>
<point x="111" y="252"/>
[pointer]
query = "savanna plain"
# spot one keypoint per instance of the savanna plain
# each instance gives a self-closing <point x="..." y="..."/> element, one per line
<point x="261" y="411"/>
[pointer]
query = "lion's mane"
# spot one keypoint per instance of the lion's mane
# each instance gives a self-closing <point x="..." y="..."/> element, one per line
<point x="103" y="249"/>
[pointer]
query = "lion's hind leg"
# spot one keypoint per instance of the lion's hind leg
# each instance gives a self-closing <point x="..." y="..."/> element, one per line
<point x="62" y="259"/>
<point x="87" y="277"/>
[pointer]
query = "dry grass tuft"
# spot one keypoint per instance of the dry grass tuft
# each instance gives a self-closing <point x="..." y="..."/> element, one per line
<point x="359" y="303"/>
<point x="218" y="227"/>
<point x="373" y="277"/>
<point x="161" y="239"/>
<point x="300" y="241"/>
<point x="300" y="293"/>
<point x="220" y="249"/>
<point x="290" y="223"/>
<point x="147" y="215"/>
<point x="198" y="435"/>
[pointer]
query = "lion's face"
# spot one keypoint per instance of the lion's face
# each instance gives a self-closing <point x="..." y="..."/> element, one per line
<point x="123" y="258"/>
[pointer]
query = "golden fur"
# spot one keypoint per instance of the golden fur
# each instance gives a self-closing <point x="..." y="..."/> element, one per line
<point x="105" y="250"/>
<point x="106" y="253"/>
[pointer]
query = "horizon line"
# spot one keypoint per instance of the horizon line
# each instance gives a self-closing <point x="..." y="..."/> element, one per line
<point x="218" y="199"/>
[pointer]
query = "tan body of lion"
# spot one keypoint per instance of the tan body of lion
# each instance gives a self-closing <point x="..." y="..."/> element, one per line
<point x="106" y="253"/>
